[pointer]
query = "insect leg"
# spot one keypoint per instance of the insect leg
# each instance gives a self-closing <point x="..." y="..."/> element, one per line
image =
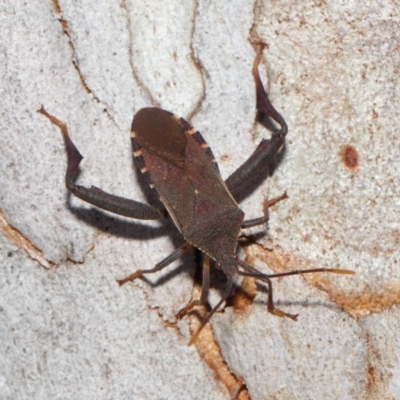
<point x="225" y="295"/>
<point x="205" y="288"/>
<point x="159" y="266"/>
<point x="252" y="272"/>
<point x="257" y="164"/>
<point x="262" y="220"/>
<point x="94" y="195"/>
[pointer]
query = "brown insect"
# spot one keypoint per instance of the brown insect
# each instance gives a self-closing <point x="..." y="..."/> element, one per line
<point x="181" y="168"/>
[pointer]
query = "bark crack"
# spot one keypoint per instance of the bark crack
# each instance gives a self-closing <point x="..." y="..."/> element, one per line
<point x="23" y="243"/>
<point x="66" y="30"/>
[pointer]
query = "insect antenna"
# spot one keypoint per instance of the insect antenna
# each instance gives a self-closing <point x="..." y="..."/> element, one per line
<point x="257" y="274"/>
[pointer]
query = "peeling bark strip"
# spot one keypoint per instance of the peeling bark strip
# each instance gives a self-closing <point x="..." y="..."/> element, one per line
<point x="180" y="166"/>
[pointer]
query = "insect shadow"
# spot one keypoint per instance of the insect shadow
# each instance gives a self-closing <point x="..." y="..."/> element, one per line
<point x="273" y="164"/>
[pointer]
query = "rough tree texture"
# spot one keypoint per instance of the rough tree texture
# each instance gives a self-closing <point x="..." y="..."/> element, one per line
<point x="68" y="331"/>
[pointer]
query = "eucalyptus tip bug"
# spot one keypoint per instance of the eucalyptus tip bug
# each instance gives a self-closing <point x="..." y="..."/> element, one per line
<point x="180" y="166"/>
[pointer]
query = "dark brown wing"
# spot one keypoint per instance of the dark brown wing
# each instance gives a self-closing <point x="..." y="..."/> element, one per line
<point x="186" y="178"/>
<point x="161" y="135"/>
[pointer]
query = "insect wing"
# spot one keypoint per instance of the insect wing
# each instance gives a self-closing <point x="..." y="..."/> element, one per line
<point x="182" y="170"/>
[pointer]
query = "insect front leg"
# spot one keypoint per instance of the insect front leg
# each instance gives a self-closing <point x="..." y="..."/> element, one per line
<point x="252" y="272"/>
<point x="205" y="288"/>
<point x="257" y="164"/>
<point x="94" y="195"/>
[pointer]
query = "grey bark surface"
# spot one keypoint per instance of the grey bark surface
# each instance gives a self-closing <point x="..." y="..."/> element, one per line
<point x="67" y="330"/>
